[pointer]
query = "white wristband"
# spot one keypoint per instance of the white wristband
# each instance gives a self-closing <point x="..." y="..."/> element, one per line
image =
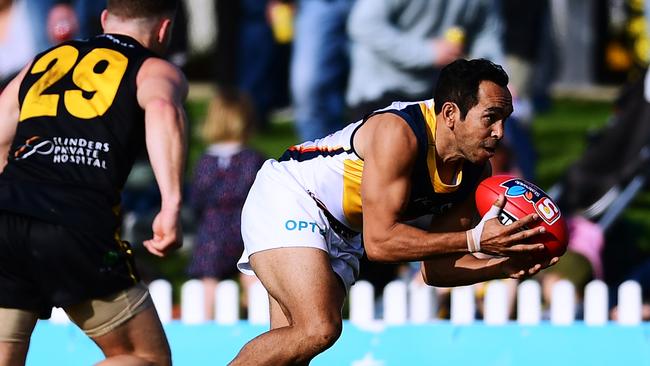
<point x="474" y="235"/>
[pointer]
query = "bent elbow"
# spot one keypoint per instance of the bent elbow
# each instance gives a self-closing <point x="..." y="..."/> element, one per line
<point x="374" y="251"/>
<point x="373" y="254"/>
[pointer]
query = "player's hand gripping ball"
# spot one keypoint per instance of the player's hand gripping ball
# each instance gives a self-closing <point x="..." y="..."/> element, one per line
<point x="524" y="198"/>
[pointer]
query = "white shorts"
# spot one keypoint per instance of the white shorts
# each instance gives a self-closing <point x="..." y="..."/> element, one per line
<point x="280" y="213"/>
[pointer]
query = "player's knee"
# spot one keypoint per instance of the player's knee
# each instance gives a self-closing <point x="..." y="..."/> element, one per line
<point x="322" y="334"/>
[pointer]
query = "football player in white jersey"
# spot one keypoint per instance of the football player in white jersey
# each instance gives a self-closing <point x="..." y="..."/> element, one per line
<point x="306" y="213"/>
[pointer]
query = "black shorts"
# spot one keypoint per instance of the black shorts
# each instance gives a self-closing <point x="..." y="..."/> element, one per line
<point x="44" y="265"/>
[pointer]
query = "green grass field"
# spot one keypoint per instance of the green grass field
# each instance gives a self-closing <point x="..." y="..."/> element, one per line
<point x="560" y="135"/>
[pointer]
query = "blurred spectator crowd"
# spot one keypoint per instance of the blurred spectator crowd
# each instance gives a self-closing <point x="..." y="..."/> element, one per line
<point x="333" y="62"/>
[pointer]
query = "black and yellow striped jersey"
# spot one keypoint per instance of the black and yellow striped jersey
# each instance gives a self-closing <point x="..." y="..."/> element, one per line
<point x="80" y="129"/>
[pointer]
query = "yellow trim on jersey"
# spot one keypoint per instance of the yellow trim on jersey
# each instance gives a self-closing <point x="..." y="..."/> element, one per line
<point x="124" y="247"/>
<point x="352" y="172"/>
<point x="430" y="125"/>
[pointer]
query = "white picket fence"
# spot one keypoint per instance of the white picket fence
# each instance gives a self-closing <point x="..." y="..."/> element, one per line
<point x="411" y="303"/>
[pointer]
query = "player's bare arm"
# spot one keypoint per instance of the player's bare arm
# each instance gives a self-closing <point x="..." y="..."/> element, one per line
<point x="461" y="270"/>
<point x="9" y="114"/>
<point x="388" y="148"/>
<point x="161" y="91"/>
<point x="464" y="269"/>
<point x="458" y="269"/>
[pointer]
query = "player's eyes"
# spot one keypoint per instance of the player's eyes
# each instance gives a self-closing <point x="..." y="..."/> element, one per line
<point x="490" y="118"/>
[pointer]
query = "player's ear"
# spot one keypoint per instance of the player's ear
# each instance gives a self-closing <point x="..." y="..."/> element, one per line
<point x="103" y="18"/>
<point x="164" y="30"/>
<point x="449" y="114"/>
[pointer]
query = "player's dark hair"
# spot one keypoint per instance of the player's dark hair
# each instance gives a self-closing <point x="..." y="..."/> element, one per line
<point x="142" y="8"/>
<point x="458" y="83"/>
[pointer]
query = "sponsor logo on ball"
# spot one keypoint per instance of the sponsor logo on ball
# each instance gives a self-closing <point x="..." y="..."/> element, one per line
<point x="544" y="206"/>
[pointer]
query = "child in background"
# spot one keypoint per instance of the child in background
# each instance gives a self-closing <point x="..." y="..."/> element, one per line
<point x="222" y="179"/>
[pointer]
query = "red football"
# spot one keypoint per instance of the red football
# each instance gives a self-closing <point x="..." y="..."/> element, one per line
<point x="524" y="198"/>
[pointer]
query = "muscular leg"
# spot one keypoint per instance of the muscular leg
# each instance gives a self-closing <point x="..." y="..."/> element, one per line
<point x="306" y="301"/>
<point x="279" y="317"/>
<point x="13" y="353"/>
<point x="139" y="341"/>
<point x="125" y="326"/>
<point x="14" y="337"/>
